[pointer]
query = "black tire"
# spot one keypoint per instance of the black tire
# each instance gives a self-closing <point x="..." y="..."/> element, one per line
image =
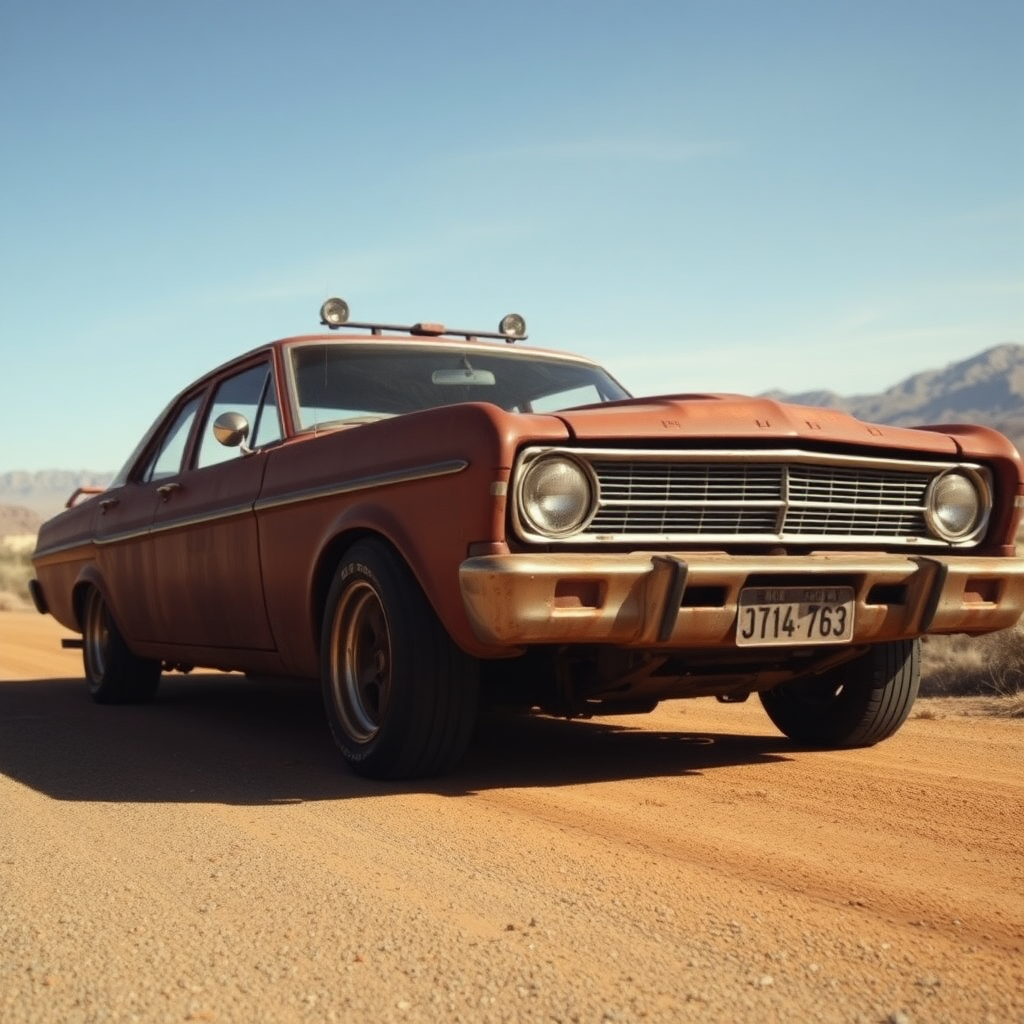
<point x="401" y="698"/>
<point x="855" y="705"/>
<point x="114" y="674"/>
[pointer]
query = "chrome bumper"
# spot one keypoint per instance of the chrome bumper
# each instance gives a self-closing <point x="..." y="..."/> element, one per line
<point x="684" y="600"/>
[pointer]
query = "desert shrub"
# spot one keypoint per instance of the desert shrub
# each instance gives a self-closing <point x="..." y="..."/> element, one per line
<point x="964" y="666"/>
<point x="15" y="572"/>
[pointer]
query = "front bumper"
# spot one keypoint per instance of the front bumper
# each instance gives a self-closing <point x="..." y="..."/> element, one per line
<point x="689" y="600"/>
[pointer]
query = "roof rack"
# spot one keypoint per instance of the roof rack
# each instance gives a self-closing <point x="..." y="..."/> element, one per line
<point x="334" y="315"/>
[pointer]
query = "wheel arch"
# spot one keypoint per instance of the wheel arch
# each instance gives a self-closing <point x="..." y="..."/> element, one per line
<point x="330" y="558"/>
<point x="433" y="565"/>
<point x="89" y="579"/>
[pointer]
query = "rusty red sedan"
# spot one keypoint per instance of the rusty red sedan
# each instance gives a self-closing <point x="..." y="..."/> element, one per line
<point x="428" y="519"/>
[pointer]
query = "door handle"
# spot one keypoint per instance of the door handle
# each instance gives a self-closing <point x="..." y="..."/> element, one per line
<point x="107" y="504"/>
<point x="166" y="490"/>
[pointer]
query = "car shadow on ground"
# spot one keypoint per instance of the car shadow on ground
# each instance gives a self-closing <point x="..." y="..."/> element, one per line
<point x="228" y="739"/>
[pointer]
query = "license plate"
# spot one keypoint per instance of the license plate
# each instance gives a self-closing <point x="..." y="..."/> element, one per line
<point x="784" y="616"/>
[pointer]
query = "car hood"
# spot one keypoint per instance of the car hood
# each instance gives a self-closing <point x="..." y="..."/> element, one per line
<point x="700" y="416"/>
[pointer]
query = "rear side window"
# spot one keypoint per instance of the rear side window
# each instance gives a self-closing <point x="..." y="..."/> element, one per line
<point x="166" y="460"/>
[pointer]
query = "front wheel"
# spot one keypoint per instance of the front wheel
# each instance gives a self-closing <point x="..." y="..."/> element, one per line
<point x="114" y="674"/>
<point x="857" y="704"/>
<point x="401" y="698"/>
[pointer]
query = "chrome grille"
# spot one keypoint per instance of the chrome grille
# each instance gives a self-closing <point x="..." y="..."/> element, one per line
<point x="757" y="500"/>
<point x="856" y="486"/>
<point x="719" y="521"/>
<point x="755" y="497"/>
<point x="680" y="481"/>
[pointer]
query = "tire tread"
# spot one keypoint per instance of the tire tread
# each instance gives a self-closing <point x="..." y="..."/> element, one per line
<point x="436" y="679"/>
<point x="877" y="692"/>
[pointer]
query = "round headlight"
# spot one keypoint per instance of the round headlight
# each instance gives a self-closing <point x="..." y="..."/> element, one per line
<point x="556" y="497"/>
<point x="956" y="505"/>
<point x="334" y="312"/>
<point x="512" y="326"/>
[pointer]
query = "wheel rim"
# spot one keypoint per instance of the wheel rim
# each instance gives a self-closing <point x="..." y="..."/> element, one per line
<point x="97" y="637"/>
<point x="360" y="662"/>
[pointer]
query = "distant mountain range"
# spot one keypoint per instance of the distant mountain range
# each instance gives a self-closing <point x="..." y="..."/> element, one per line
<point x="987" y="388"/>
<point x="42" y="494"/>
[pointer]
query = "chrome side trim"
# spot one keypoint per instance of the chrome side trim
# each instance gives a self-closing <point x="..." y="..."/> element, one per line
<point x="123" y="535"/>
<point x="309" y="494"/>
<point x="171" y="524"/>
<point x="364" y="483"/>
<point x="40" y="554"/>
<point x="234" y="512"/>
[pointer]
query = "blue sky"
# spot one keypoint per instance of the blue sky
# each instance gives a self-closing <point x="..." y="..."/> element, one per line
<point x="715" y="195"/>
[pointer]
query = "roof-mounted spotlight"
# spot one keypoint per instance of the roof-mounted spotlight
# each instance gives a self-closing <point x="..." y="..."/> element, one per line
<point x="512" y="326"/>
<point x="334" y="313"/>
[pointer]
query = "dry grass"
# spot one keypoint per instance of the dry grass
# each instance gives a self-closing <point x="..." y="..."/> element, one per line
<point x="931" y="708"/>
<point x="15" y="572"/>
<point x="987" y="669"/>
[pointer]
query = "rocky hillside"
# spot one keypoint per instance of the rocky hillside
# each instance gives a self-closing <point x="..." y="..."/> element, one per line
<point x="16" y="520"/>
<point x="987" y="388"/>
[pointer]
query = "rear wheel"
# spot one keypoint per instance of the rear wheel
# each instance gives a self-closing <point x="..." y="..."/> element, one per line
<point x="855" y="705"/>
<point x="401" y="697"/>
<point x="114" y="674"/>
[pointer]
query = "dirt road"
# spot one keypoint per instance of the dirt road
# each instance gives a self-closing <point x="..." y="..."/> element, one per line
<point x="209" y="858"/>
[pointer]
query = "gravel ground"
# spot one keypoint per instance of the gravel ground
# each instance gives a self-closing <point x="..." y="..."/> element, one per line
<point x="209" y="858"/>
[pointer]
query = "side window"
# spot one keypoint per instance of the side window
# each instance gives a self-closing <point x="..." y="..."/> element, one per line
<point x="166" y="461"/>
<point x="250" y="393"/>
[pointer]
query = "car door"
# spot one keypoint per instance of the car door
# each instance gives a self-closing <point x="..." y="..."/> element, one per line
<point x="126" y="509"/>
<point x="203" y="540"/>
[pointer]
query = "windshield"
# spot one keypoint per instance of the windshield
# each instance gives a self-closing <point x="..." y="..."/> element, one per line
<point x="353" y="382"/>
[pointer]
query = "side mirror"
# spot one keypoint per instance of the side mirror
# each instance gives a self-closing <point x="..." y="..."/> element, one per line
<point x="231" y="429"/>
